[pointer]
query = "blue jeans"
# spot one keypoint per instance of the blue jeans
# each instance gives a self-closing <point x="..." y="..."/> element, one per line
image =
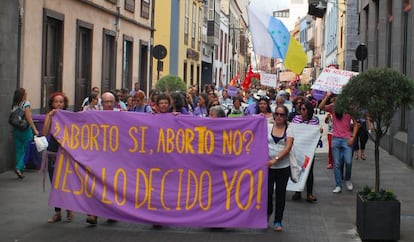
<point x="342" y="153"/>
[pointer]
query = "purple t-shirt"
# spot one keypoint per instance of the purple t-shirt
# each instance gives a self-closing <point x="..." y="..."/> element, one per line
<point x="200" y="111"/>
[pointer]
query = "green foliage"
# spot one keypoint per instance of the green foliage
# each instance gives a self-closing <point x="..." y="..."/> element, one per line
<point x="170" y="84"/>
<point x="383" y="195"/>
<point x="255" y="82"/>
<point x="304" y="87"/>
<point x="380" y="92"/>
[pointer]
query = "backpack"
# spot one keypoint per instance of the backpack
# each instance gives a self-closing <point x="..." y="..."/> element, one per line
<point x="17" y="119"/>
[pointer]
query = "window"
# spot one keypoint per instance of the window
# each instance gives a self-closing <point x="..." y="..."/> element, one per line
<point x="200" y="22"/>
<point x="185" y="72"/>
<point x="210" y="14"/>
<point x="127" y="62"/>
<point x="186" y="21"/>
<point x="83" y="66"/>
<point x="108" y="60"/>
<point x="282" y="14"/>
<point x="225" y="48"/>
<point x="130" y="5"/>
<point x="221" y="45"/>
<point x="242" y="44"/>
<point x="194" y="26"/>
<point x="145" y="8"/>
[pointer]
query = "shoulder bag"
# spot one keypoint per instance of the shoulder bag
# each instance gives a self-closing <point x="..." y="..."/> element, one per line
<point x="17" y="119"/>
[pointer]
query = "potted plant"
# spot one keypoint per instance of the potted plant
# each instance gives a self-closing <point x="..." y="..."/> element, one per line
<point x="380" y="92"/>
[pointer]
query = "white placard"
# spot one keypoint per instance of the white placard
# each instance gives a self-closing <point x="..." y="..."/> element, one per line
<point x="333" y="80"/>
<point x="267" y="79"/>
<point x="306" y="138"/>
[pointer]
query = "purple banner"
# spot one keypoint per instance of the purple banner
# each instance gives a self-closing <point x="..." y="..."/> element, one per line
<point x="162" y="169"/>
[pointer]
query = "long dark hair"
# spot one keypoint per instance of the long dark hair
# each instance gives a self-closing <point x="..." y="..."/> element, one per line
<point x="18" y="96"/>
<point x="267" y="100"/>
<point x="309" y="107"/>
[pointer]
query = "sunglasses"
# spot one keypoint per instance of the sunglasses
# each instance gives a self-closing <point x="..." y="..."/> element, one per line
<point x="280" y="114"/>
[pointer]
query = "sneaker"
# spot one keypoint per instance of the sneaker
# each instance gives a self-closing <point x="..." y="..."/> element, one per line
<point x="349" y="185"/>
<point x="278" y="227"/>
<point x="337" y="189"/>
<point x="329" y="167"/>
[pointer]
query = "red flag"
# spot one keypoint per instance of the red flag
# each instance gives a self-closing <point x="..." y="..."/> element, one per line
<point x="233" y="81"/>
<point x="247" y="79"/>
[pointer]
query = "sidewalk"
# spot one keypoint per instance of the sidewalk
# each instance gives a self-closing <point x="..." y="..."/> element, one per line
<point x="24" y="211"/>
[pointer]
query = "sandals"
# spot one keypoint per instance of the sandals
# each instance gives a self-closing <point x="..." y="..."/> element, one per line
<point x="69" y="215"/>
<point x="311" y="198"/>
<point x="363" y="157"/>
<point x="55" y="218"/>
<point x="93" y="220"/>
<point x="19" y="174"/>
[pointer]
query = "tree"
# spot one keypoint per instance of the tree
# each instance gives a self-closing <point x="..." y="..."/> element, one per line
<point x="170" y="84"/>
<point x="380" y="92"/>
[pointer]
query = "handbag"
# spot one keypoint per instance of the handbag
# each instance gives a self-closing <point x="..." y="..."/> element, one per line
<point x="295" y="168"/>
<point x="31" y="156"/>
<point x="41" y="143"/>
<point x="18" y="120"/>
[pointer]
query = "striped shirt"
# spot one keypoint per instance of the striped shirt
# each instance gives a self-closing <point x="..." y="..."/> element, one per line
<point x="298" y="120"/>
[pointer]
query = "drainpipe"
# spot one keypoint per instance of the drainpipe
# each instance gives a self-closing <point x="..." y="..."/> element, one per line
<point x="19" y="41"/>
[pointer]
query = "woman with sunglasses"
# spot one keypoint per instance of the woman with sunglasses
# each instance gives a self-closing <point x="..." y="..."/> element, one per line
<point x="279" y="171"/>
<point x="306" y="117"/>
<point x="297" y="102"/>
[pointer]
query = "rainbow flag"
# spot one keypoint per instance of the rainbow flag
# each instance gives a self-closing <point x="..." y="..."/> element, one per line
<point x="272" y="39"/>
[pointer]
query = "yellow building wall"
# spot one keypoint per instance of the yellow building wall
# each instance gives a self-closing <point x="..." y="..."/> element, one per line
<point x="162" y="36"/>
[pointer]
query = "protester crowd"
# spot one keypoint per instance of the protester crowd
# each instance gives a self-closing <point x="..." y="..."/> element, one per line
<point x="281" y="107"/>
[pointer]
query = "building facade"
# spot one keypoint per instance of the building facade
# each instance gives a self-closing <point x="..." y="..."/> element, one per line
<point x="71" y="46"/>
<point x="179" y="28"/>
<point x="386" y="28"/>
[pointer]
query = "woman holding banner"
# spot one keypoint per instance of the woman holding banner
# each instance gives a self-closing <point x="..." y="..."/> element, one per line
<point x="306" y="117"/>
<point x="57" y="101"/>
<point x="279" y="170"/>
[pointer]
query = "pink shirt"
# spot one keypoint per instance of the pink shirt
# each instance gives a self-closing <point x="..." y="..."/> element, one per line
<point x="341" y="127"/>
